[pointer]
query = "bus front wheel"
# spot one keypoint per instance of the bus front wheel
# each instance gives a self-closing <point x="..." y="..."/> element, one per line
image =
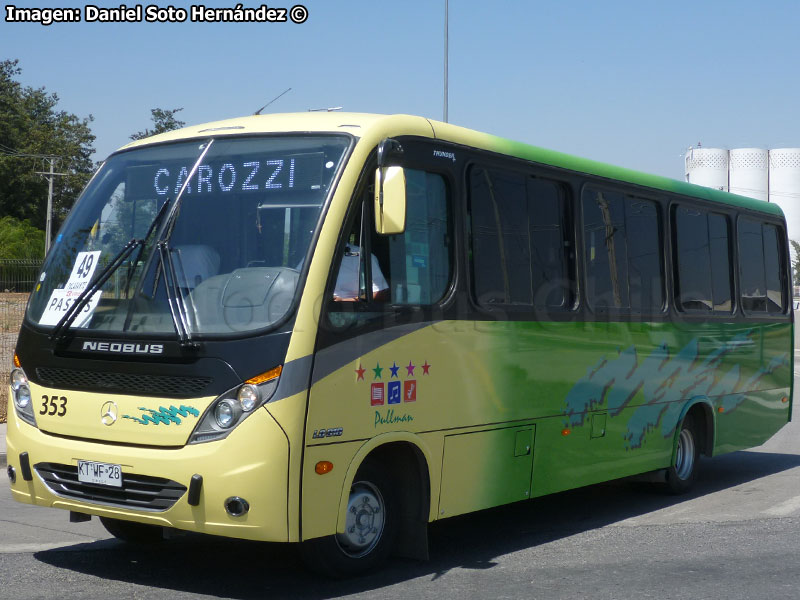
<point x="683" y="471"/>
<point x="130" y="531"/>
<point x="370" y="528"/>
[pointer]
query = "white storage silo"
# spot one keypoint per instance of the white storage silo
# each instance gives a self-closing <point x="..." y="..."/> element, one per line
<point x="784" y="186"/>
<point x="707" y="167"/>
<point x="749" y="173"/>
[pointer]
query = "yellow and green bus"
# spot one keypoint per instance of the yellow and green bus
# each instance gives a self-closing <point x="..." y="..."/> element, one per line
<point x="333" y="329"/>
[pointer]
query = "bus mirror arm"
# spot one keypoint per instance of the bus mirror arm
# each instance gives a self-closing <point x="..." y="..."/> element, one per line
<point x="389" y="149"/>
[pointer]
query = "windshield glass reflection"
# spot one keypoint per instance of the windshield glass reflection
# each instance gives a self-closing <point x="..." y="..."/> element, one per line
<point x="234" y="246"/>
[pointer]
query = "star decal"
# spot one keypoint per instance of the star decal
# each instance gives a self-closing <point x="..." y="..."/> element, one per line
<point x="425" y="368"/>
<point x="394" y="369"/>
<point x="360" y="370"/>
<point x="378" y="370"/>
<point x="410" y="368"/>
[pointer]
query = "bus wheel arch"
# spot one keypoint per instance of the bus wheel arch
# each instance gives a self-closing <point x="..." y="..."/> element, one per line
<point x="702" y="413"/>
<point x="407" y="458"/>
<point x="409" y="467"/>
<point x="694" y="436"/>
<point x="383" y="509"/>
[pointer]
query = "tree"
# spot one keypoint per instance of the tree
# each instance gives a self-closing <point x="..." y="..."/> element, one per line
<point x="163" y="120"/>
<point x="20" y="240"/>
<point x="31" y="128"/>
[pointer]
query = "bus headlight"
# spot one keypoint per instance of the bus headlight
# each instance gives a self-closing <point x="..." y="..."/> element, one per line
<point x="21" y="391"/>
<point x="234" y="406"/>
<point x="248" y="397"/>
<point x="226" y="412"/>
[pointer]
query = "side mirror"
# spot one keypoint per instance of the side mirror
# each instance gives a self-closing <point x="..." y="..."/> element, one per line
<point x="390" y="200"/>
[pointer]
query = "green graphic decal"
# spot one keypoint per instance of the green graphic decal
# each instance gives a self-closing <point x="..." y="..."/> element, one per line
<point x="663" y="381"/>
<point x="163" y="415"/>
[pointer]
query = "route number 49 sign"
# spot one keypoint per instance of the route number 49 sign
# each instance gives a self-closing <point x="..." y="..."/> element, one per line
<point x="62" y="298"/>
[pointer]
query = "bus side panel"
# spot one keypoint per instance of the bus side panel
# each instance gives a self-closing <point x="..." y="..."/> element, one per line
<point x="567" y="458"/>
<point x="752" y="396"/>
<point x="503" y="456"/>
<point x="606" y="397"/>
<point x="321" y="493"/>
<point x="756" y="419"/>
<point x="289" y="414"/>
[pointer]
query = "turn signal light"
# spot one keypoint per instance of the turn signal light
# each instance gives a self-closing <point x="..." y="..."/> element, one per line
<point x="16" y="361"/>
<point x="323" y="466"/>
<point x="721" y="409"/>
<point x="566" y="431"/>
<point x="785" y="399"/>
<point x="264" y="377"/>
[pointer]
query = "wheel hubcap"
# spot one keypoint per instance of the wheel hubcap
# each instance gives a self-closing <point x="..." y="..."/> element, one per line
<point x="684" y="456"/>
<point x="366" y="517"/>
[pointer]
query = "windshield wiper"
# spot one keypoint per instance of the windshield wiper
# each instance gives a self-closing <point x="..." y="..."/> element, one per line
<point x="83" y="298"/>
<point x="177" y="309"/>
<point x="175" y="298"/>
<point x="156" y="220"/>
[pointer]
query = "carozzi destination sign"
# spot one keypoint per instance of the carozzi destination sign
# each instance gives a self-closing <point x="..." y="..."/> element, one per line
<point x="229" y="175"/>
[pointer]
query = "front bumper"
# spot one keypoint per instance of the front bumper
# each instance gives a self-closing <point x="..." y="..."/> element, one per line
<point x="251" y="463"/>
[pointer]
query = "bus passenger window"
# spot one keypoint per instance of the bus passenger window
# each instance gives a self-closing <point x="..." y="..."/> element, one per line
<point x="414" y="266"/>
<point x="501" y="255"/>
<point x="548" y="261"/>
<point x="352" y="272"/>
<point x="622" y="239"/>
<point x="720" y="262"/>
<point x="772" y="269"/>
<point x="703" y="278"/>
<point x="518" y="243"/>
<point x="606" y="250"/>
<point x="760" y="267"/>
<point x="347" y="281"/>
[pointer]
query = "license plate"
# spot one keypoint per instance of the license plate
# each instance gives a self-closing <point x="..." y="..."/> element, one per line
<point x="100" y="473"/>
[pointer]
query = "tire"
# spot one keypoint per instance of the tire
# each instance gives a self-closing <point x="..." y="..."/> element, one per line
<point x="132" y="532"/>
<point x="370" y="531"/>
<point x="683" y="471"/>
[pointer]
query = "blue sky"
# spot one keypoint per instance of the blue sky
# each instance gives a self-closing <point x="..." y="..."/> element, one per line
<point x="627" y="82"/>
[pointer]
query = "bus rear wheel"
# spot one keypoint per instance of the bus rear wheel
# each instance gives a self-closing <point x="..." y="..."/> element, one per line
<point x="130" y="531"/>
<point x="370" y="528"/>
<point x="683" y="471"/>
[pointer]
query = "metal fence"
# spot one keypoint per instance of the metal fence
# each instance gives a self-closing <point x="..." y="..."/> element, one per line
<point x="17" y="279"/>
<point x="18" y="276"/>
<point x="12" y="307"/>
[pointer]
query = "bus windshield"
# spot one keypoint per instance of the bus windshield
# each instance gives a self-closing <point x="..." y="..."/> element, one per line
<point x="247" y="211"/>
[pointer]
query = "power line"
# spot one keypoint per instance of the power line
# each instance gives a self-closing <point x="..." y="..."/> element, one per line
<point x="49" y="176"/>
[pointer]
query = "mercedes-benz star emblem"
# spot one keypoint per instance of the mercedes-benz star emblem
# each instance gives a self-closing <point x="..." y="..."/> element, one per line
<point x="108" y="413"/>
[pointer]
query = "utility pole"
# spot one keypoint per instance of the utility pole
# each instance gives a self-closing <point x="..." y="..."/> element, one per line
<point x="446" y="25"/>
<point x="50" y="175"/>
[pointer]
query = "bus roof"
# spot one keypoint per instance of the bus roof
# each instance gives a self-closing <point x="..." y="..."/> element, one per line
<point x="360" y="124"/>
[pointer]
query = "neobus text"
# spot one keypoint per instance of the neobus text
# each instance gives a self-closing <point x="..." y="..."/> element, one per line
<point x="123" y="348"/>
